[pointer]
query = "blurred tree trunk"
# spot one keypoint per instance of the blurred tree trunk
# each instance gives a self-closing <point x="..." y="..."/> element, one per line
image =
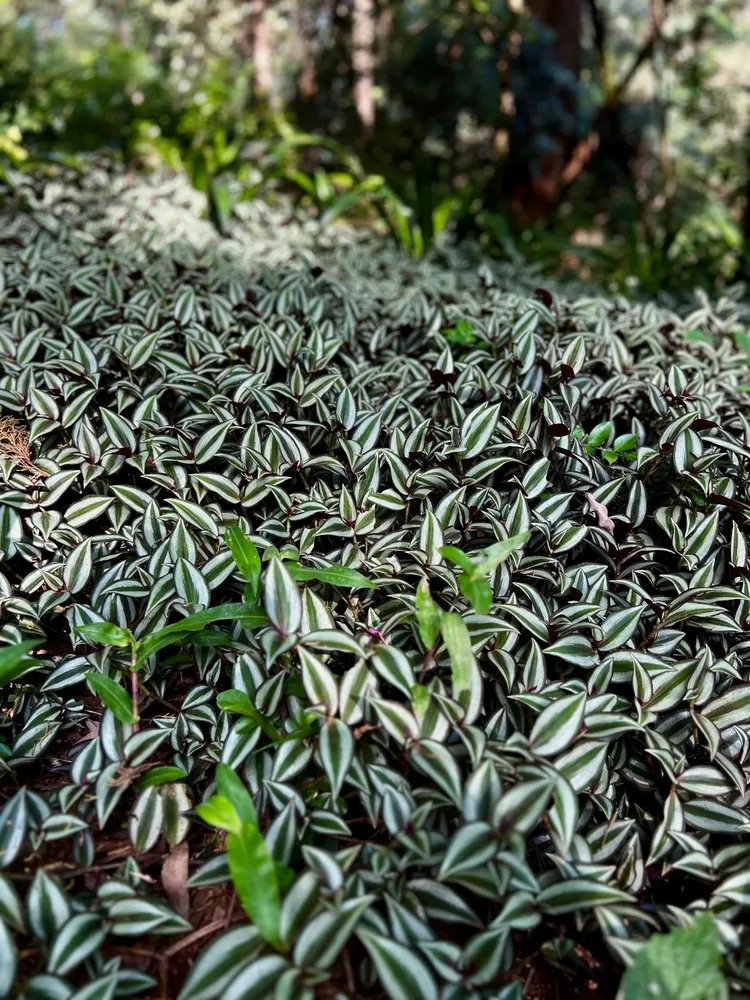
<point x="536" y="186"/>
<point x="565" y="19"/>
<point x="305" y="14"/>
<point x="363" y="61"/>
<point x="260" y="47"/>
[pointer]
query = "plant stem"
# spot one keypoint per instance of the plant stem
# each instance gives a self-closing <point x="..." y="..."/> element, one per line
<point x="134" y="689"/>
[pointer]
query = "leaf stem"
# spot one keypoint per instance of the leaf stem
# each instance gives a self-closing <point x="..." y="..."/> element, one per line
<point x="134" y="688"/>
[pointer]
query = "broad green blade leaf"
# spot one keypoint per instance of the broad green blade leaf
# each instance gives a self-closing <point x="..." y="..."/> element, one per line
<point x="428" y="615"/>
<point x="14" y="662"/>
<point x="106" y="634"/>
<point x="237" y="702"/>
<point x="255" y="880"/>
<point x="113" y="695"/>
<point x="500" y="551"/>
<point x="454" y="555"/>
<point x="219" y="811"/>
<point x="248" y="617"/>
<point x="477" y="592"/>
<point x="232" y="787"/>
<point x="245" y="555"/>
<point x="337" y="576"/>
<point x="162" y="775"/>
<point x="458" y="642"/>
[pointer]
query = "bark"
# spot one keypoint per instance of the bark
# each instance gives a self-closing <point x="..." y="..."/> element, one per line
<point x="536" y="191"/>
<point x="261" y="47"/>
<point x="565" y="18"/>
<point x="308" y="77"/>
<point x="363" y="61"/>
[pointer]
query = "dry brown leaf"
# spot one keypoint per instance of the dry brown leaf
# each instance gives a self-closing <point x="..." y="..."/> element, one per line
<point x="602" y="514"/>
<point x="174" y="876"/>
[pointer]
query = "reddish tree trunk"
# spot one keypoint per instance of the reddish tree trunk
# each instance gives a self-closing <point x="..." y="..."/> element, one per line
<point x="261" y="48"/>
<point x="363" y="61"/>
<point x="305" y="21"/>
<point x="540" y="195"/>
<point x="565" y="18"/>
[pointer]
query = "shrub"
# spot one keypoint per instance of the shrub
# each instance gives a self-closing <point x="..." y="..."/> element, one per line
<point x="444" y="633"/>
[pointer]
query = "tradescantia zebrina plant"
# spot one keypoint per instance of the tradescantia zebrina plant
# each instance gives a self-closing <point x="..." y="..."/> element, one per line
<point x="431" y="654"/>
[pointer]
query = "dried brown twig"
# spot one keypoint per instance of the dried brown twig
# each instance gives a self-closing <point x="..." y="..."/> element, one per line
<point x="14" y="444"/>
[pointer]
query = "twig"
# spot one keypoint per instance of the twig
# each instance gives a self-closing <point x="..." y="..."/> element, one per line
<point x="215" y="925"/>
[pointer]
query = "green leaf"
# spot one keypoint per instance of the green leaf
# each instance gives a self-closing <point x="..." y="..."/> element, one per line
<point x="14" y="662"/>
<point x="625" y="442"/>
<point x="454" y="555"/>
<point x="238" y="703"/>
<point x="600" y="435"/>
<point x="113" y="695"/>
<point x="232" y="787"/>
<point x="428" y="615"/>
<point x="698" y="337"/>
<point x="255" y="880"/>
<point x="246" y="556"/>
<point x="163" y="775"/>
<point x="458" y="642"/>
<point x="337" y="576"/>
<point x="106" y="634"/>
<point x="219" y="811"/>
<point x="177" y="633"/>
<point x="500" y="551"/>
<point x="477" y="592"/>
<point x="684" y="964"/>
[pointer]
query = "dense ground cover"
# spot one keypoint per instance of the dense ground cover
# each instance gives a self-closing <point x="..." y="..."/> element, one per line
<point x="467" y="717"/>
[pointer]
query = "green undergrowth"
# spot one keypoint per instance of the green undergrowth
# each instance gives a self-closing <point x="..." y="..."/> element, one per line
<point x="404" y="603"/>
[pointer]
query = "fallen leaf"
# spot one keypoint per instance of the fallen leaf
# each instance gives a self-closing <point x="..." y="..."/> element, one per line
<point x="602" y="514"/>
<point x="174" y="876"/>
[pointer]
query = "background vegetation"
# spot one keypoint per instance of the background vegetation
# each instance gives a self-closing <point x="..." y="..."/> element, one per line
<point x="374" y="606"/>
<point x="603" y="138"/>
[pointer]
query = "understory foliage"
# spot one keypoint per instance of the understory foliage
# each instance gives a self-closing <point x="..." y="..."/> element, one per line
<point x="408" y="603"/>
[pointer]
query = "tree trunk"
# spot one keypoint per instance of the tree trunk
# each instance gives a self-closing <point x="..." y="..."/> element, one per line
<point x="565" y="18"/>
<point x="261" y="48"/>
<point x="363" y="61"/>
<point x="308" y="40"/>
<point x="535" y="187"/>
